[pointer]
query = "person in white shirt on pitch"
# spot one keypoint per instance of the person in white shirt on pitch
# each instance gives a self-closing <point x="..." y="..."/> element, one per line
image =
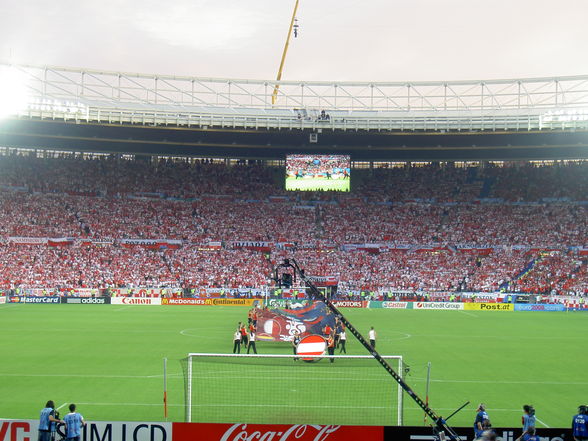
<point x="372" y="336"/>
<point x="237" y="341"/>
<point x="251" y="342"/>
<point x="342" y="341"/>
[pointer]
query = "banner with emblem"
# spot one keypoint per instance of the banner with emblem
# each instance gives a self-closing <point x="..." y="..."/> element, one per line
<point x="280" y="324"/>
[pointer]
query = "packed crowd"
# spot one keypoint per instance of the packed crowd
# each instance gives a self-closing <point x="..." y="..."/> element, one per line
<point x="57" y="215"/>
<point x="514" y="183"/>
<point x="105" y="201"/>
<point x="34" y="266"/>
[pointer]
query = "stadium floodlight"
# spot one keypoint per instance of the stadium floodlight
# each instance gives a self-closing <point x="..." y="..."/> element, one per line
<point x="14" y="96"/>
<point x="441" y="426"/>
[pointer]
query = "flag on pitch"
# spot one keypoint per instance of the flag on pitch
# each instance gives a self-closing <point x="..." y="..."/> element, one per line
<point x="280" y="324"/>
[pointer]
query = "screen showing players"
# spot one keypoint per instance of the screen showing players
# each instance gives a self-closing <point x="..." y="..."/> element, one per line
<point x="318" y="172"/>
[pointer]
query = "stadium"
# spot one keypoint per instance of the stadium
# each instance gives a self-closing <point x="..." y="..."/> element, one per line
<point x="396" y="253"/>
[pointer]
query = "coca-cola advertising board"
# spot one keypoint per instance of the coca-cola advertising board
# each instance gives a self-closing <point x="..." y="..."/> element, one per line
<point x="275" y="432"/>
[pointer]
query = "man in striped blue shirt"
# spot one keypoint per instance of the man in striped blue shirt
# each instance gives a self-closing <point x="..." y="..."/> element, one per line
<point x="47" y="420"/>
<point x="73" y="424"/>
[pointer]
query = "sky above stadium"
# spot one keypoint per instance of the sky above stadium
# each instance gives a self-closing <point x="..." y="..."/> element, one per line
<point x="367" y="40"/>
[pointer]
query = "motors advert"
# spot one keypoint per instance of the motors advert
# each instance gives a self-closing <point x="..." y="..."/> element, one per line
<point x="350" y="303"/>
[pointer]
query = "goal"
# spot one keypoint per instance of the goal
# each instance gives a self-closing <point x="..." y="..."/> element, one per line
<point x="284" y="389"/>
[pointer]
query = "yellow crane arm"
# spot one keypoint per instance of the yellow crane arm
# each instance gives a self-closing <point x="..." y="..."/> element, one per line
<point x="277" y="86"/>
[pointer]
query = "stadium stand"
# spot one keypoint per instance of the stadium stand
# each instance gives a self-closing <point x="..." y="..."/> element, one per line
<point x="114" y="222"/>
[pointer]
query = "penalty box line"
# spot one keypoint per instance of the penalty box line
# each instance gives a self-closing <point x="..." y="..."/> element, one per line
<point x="288" y="406"/>
<point x="331" y="371"/>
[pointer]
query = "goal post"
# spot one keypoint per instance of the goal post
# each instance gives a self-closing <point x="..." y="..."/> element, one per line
<point x="288" y="389"/>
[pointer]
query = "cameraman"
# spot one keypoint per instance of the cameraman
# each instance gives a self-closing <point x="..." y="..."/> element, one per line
<point x="528" y="417"/>
<point x="482" y="421"/>
<point x="529" y="435"/>
<point x="47" y="420"/>
<point x="580" y="424"/>
<point x="73" y="424"/>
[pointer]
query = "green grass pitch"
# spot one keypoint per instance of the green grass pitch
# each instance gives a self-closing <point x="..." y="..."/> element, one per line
<point x="314" y="184"/>
<point x="108" y="360"/>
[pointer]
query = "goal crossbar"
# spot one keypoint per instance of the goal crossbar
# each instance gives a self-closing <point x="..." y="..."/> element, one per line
<point x="351" y="357"/>
<point x="190" y="371"/>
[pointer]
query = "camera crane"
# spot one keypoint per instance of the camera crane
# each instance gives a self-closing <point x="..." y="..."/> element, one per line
<point x="293" y="27"/>
<point x="441" y="426"/>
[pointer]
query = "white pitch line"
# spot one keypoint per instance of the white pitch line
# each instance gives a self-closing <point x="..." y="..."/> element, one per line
<point x="549" y="427"/>
<point x="202" y="334"/>
<point x="505" y="382"/>
<point x="410" y="378"/>
<point x="333" y="371"/>
<point x="93" y="331"/>
<point x="130" y="404"/>
<point x="63" y="405"/>
<point x="468" y="313"/>
<point x="238" y="405"/>
<point x="93" y="376"/>
<point x="286" y="405"/>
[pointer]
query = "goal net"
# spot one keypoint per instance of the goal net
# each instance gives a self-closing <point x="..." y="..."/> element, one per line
<point x="284" y="389"/>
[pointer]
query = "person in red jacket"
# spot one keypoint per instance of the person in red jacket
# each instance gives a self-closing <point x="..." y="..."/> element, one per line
<point x="331" y="346"/>
<point x="244" y="336"/>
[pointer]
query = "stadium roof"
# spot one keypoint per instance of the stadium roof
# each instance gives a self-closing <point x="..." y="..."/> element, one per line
<point x="539" y="118"/>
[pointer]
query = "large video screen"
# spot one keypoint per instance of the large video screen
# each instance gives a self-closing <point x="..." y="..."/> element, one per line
<point x="318" y="172"/>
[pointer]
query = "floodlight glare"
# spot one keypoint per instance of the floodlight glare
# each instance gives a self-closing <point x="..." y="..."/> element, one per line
<point x="14" y="96"/>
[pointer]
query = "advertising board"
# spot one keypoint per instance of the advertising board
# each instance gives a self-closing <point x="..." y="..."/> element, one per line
<point x="538" y="307"/>
<point x="389" y="305"/>
<point x="448" y="306"/>
<point x="396" y="305"/>
<point x="86" y="300"/>
<point x="135" y="301"/>
<point x="420" y="433"/>
<point x="27" y="430"/>
<point x="2" y="300"/>
<point x="489" y="306"/>
<point x="350" y="303"/>
<point x="283" y="303"/>
<point x="275" y="432"/>
<point x="211" y="302"/>
<point x="29" y="299"/>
